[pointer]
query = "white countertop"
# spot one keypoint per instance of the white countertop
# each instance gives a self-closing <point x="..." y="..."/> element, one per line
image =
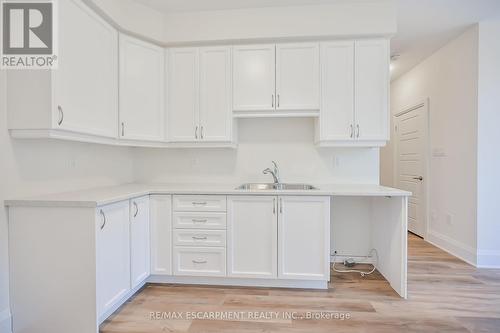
<point x="105" y="195"/>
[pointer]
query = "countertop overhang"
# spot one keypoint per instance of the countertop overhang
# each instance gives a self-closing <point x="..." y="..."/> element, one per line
<point x="105" y="195"/>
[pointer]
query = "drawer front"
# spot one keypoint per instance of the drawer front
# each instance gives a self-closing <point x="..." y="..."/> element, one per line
<point x="197" y="237"/>
<point x="189" y="220"/>
<point x="199" y="203"/>
<point x="199" y="261"/>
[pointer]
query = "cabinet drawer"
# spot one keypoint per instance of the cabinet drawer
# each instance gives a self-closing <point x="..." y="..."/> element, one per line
<point x="199" y="220"/>
<point x="199" y="203"/>
<point x="194" y="237"/>
<point x="200" y="261"/>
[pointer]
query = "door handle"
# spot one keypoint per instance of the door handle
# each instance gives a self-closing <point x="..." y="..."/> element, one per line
<point x="419" y="178"/>
<point x="61" y="115"/>
<point x="136" y="209"/>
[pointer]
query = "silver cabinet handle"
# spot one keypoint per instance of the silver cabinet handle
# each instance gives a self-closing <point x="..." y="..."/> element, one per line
<point x="196" y="132"/>
<point x="352" y="131"/>
<point x="419" y="178"/>
<point x="199" y="261"/>
<point x="281" y="206"/>
<point x="61" y="115"/>
<point x="199" y="221"/>
<point x="199" y="238"/>
<point x="201" y="132"/>
<point x="274" y="205"/>
<point x="278" y="101"/>
<point x="357" y="127"/>
<point x="272" y="100"/>
<point x="103" y="219"/>
<point x="195" y="203"/>
<point x="123" y="129"/>
<point x="136" y="209"/>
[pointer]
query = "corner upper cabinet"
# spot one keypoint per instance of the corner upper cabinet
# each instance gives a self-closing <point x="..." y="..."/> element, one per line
<point x="142" y="76"/>
<point x="354" y="93"/>
<point x="199" y="90"/>
<point x="79" y="99"/>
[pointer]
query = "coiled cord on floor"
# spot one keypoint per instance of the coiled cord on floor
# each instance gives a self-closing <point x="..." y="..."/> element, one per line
<point x="362" y="273"/>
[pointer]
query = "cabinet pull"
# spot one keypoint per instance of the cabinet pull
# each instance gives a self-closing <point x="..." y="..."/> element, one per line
<point x="272" y="100"/>
<point x="274" y="205"/>
<point x="278" y="101"/>
<point x="199" y="261"/>
<point x="199" y="203"/>
<point x="281" y="206"/>
<point x="123" y="129"/>
<point x="103" y="219"/>
<point x="136" y="209"/>
<point x="357" y="127"/>
<point x="199" y="221"/>
<point x="199" y="238"/>
<point x="196" y="132"/>
<point x="352" y="131"/>
<point x="201" y="132"/>
<point x="61" y="115"/>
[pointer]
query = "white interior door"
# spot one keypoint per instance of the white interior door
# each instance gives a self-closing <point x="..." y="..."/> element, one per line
<point x="254" y="77"/>
<point x="411" y="164"/>
<point x="297" y="76"/>
<point x="183" y="97"/>
<point x="215" y="94"/>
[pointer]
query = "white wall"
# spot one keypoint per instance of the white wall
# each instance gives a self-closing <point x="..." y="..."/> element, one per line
<point x="449" y="79"/>
<point x="343" y="18"/>
<point x="488" y="154"/>
<point x="35" y="167"/>
<point x="287" y="141"/>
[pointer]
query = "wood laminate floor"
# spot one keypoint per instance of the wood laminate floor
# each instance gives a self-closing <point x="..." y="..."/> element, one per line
<point x="445" y="295"/>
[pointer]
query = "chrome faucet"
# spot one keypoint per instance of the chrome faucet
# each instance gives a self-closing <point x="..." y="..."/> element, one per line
<point x="275" y="173"/>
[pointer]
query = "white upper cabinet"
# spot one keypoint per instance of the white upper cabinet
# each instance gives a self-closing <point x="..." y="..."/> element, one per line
<point x="372" y="89"/>
<point x="81" y="95"/>
<point x="142" y="76"/>
<point x="354" y="93"/>
<point x="139" y="240"/>
<point x="183" y="88"/>
<point x="252" y="235"/>
<point x="336" y="120"/>
<point x="215" y="94"/>
<point x="297" y="76"/>
<point x="254" y="77"/>
<point x="304" y="237"/>
<point x="199" y="108"/>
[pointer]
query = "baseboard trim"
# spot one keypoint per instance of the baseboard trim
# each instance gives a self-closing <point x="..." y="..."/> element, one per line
<point x="453" y="247"/>
<point x="5" y="321"/>
<point x="488" y="259"/>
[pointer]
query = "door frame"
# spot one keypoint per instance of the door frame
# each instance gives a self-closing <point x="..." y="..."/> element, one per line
<point x="426" y="170"/>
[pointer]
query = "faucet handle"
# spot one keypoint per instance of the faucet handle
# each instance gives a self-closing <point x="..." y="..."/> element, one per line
<point x="275" y="164"/>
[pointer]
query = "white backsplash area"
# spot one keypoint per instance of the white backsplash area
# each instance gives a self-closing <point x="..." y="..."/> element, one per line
<point x="290" y="142"/>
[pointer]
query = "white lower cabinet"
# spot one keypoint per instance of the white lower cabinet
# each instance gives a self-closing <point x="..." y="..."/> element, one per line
<point x="200" y="261"/>
<point x="304" y="238"/>
<point x="112" y="255"/>
<point x="252" y="237"/>
<point x="139" y="240"/>
<point x="160" y="208"/>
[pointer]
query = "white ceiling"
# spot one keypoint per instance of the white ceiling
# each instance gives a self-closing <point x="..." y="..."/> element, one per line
<point x="423" y="25"/>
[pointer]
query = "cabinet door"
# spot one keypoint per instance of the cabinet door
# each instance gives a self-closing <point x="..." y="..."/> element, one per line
<point x="161" y="234"/>
<point x="85" y="83"/>
<point x="297" y="76"/>
<point x="183" y="95"/>
<point x="254" y="77"/>
<point x="336" y="119"/>
<point x="142" y="75"/>
<point x="139" y="240"/>
<point x="113" y="254"/>
<point x="215" y="94"/>
<point x="304" y="238"/>
<point x="252" y="236"/>
<point x="372" y="89"/>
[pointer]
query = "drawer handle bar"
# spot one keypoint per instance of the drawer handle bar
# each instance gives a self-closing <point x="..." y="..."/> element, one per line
<point x="199" y="261"/>
<point x="199" y="221"/>
<point x="199" y="203"/>
<point x="199" y="238"/>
